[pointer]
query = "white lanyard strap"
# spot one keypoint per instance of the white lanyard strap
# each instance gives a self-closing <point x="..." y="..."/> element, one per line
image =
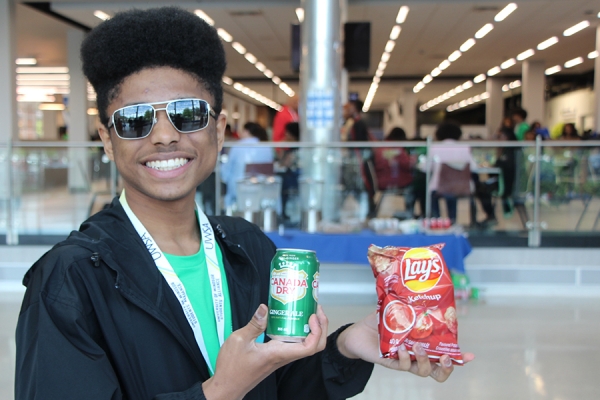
<point x="214" y="275"/>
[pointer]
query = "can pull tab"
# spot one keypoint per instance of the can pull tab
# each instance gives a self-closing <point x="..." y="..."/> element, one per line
<point x="96" y="259"/>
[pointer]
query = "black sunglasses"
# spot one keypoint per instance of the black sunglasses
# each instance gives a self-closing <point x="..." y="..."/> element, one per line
<point x="137" y="121"/>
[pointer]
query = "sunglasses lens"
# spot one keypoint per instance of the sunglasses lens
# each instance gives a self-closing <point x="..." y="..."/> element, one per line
<point x="188" y="115"/>
<point x="134" y="122"/>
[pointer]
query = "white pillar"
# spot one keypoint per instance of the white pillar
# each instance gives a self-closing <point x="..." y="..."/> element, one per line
<point x="8" y="114"/>
<point x="344" y="76"/>
<point x="494" y="105"/>
<point x="409" y="112"/>
<point x="77" y="129"/>
<point x="597" y="84"/>
<point x="533" y="89"/>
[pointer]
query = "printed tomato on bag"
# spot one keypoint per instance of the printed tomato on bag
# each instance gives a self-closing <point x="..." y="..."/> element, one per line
<point x="415" y="301"/>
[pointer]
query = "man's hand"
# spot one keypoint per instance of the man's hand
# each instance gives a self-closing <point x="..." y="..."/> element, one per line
<point x="243" y="363"/>
<point x="361" y="340"/>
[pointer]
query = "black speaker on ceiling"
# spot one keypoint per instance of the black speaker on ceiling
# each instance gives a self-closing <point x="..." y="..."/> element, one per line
<point x="357" y="46"/>
<point x="296" y="47"/>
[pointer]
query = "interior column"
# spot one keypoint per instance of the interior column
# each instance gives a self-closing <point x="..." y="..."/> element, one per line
<point x="533" y="89"/>
<point x="77" y="129"/>
<point x="494" y="105"/>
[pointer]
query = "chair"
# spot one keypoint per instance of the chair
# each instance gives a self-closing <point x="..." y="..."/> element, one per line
<point x="259" y="169"/>
<point x="456" y="183"/>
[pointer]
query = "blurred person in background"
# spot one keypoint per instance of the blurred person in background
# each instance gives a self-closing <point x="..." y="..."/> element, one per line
<point x="239" y="156"/>
<point x="519" y="117"/>
<point x="393" y="165"/>
<point x="287" y="114"/>
<point x="457" y="158"/>
<point x="358" y="174"/>
<point x="288" y="168"/>
<point x="569" y="132"/>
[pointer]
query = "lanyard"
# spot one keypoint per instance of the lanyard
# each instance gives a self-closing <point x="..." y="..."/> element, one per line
<point x="214" y="275"/>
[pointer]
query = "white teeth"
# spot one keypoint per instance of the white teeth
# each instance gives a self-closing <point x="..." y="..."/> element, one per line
<point x="167" y="165"/>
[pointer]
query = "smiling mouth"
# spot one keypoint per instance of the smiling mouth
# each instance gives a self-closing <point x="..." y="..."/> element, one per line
<point x="167" y="165"/>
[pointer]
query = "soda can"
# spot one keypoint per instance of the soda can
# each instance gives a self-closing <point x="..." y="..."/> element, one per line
<point x="293" y="294"/>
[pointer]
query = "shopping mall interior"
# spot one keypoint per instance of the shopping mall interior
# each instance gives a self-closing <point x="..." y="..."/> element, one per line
<point x="526" y="280"/>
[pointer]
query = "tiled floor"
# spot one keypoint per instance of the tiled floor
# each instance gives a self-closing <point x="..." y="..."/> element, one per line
<point x="526" y="350"/>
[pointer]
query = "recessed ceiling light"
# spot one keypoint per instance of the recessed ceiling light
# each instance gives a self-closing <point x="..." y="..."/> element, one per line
<point x="385" y="57"/>
<point x="427" y="79"/>
<point x="494" y="71"/>
<point x="101" y="15"/>
<point x="26" y="61"/>
<point x="42" y="70"/>
<point x="395" y="32"/>
<point x="479" y="78"/>
<point x="593" y="54"/>
<point x="467" y="45"/>
<point x="574" y="62"/>
<point x="238" y="47"/>
<point x="389" y="46"/>
<point x="251" y="58"/>
<point x="547" y="43"/>
<point x="402" y="13"/>
<point x="576" y="28"/>
<point x="227" y="80"/>
<point x="300" y="14"/>
<point x="224" y="35"/>
<point x="553" y="70"/>
<point x="506" y="11"/>
<point x="435" y="72"/>
<point x="444" y="64"/>
<point x="487" y="28"/>
<point x="508" y="63"/>
<point x="454" y="56"/>
<point x="526" y="54"/>
<point x="202" y="14"/>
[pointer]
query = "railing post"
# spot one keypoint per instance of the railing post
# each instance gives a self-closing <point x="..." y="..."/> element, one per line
<point x="12" y="234"/>
<point x="535" y="236"/>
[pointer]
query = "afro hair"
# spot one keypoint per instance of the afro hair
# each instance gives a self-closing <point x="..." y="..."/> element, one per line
<point x="160" y="37"/>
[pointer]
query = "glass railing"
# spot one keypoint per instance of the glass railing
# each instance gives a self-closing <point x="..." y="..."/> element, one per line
<point x="529" y="190"/>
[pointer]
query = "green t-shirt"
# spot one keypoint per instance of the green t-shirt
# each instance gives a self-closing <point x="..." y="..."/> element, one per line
<point x="521" y="129"/>
<point x="192" y="272"/>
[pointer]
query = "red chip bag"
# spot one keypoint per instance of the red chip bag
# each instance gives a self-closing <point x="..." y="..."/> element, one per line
<point x="415" y="301"/>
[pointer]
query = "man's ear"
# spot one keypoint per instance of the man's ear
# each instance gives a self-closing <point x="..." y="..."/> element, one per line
<point x="221" y="124"/>
<point x="106" y="141"/>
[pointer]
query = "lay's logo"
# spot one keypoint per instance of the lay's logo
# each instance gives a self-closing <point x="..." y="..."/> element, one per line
<point x="421" y="269"/>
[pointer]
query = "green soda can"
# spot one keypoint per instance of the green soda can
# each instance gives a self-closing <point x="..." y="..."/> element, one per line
<point x="293" y="294"/>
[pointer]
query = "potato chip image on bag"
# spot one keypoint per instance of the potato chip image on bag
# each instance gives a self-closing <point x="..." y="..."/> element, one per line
<point x="415" y="301"/>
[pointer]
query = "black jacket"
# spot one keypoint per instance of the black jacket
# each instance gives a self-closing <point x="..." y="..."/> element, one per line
<point x="99" y="321"/>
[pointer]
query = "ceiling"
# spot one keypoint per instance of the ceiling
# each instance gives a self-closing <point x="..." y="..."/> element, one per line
<point x="431" y="32"/>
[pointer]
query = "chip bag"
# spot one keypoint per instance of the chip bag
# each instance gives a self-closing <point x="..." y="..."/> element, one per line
<point x="415" y="301"/>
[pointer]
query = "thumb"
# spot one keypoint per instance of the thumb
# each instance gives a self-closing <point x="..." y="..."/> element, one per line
<point x="258" y="323"/>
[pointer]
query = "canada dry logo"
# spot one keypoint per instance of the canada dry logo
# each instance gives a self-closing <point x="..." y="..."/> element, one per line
<point x="288" y="285"/>
<point x="315" y="286"/>
<point x="421" y="269"/>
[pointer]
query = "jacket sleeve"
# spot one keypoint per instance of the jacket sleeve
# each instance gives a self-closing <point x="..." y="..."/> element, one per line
<point x="340" y="377"/>
<point x="60" y="352"/>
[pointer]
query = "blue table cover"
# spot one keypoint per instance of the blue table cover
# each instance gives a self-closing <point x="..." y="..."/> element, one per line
<point x="352" y="248"/>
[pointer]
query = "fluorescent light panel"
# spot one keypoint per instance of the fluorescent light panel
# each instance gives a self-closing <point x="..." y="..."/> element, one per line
<point x="479" y="78"/>
<point x="547" y="43"/>
<point x="574" y="62"/>
<point x="553" y="70"/>
<point x="26" y="61"/>
<point x="467" y="45"/>
<point x="525" y="55"/>
<point x="508" y="63"/>
<point x="487" y="28"/>
<point x="395" y="32"/>
<point x="402" y="13"/>
<point x="101" y="15"/>
<point x="300" y="14"/>
<point x="201" y="14"/>
<point x="506" y="11"/>
<point x="494" y="71"/>
<point x="576" y="28"/>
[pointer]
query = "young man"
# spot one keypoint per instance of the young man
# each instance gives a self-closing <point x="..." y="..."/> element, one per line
<point x="519" y="117"/>
<point x="150" y="299"/>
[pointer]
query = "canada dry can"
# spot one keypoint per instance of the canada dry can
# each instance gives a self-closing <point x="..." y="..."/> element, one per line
<point x="293" y="294"/>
